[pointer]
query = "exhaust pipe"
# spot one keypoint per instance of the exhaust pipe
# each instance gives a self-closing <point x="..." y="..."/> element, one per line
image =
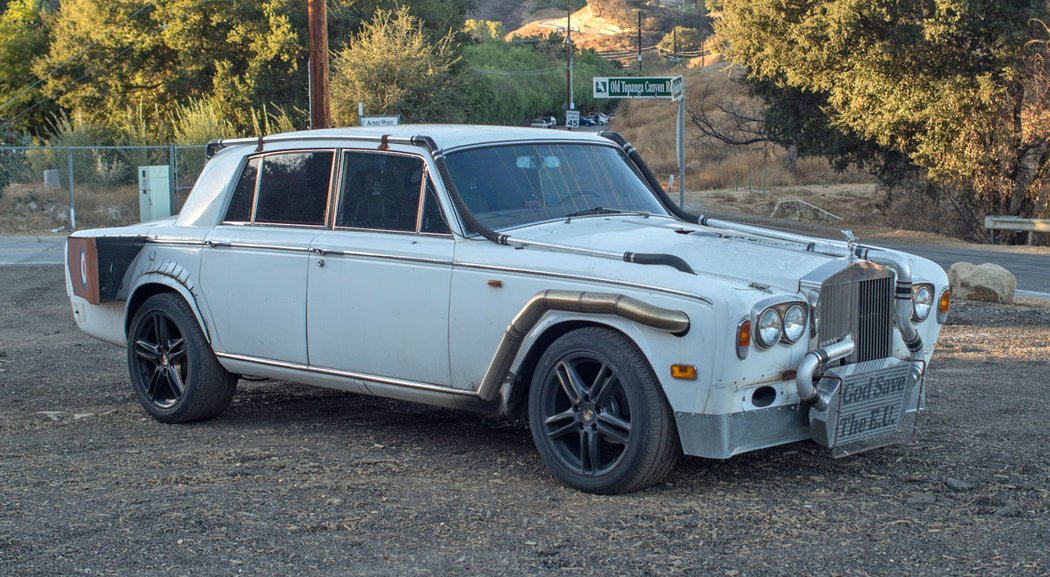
<point x="672" y="321"/>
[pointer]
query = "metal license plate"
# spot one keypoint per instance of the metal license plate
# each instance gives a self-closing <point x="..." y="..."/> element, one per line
<point x="867" y="401"/>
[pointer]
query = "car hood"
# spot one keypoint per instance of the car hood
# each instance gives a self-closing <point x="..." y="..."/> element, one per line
<point x="709" y="251"/>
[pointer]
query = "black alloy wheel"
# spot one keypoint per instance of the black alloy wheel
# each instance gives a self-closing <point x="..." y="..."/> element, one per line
<point x="598" y="416"/>
<point x="161" y="354"/>
<point x="173" y="369"/>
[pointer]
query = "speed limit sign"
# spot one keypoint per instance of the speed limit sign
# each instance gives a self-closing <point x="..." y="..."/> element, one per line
<point x="572" y="118"/>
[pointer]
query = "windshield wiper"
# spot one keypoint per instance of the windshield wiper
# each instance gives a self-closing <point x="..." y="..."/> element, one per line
<point x="595" y="210"/>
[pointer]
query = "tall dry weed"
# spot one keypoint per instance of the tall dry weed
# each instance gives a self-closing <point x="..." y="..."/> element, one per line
<point x="651" y="126"/>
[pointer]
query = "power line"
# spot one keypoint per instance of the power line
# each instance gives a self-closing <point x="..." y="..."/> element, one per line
<point x="75" y="80"/>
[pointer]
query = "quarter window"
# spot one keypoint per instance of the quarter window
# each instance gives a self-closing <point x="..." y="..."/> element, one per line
<point x="244" y="195"/>
<point x="380" y="191"/>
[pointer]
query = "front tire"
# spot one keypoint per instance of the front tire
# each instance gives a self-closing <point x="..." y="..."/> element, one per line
<point x="173" y="369"/>
<point x="598" y="417"/>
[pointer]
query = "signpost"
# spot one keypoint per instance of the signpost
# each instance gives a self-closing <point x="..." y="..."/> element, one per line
<point x="572" y="118"/>
<point x="652" y="87"/>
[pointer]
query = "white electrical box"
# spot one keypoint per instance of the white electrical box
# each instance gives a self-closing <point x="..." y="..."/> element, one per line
<point x="154" y="192"/>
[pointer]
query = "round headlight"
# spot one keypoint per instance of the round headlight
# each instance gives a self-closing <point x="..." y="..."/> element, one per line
<point x="922" y="303"/>
<point x="794" y="323"/>
<point x="769" y="328"/>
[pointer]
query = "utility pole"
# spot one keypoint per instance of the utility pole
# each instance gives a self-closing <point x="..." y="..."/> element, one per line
<point x="571" y="105"/>
<point x="317" y="14"/>
<point x="674" y="58"/>
<point x="639" y="41"/>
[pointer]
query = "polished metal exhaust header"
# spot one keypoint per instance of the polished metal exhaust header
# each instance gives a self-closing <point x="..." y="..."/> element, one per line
<point x="669" y="320"/>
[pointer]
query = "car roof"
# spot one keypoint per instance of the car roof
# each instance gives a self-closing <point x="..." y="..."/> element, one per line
<point x="449" y="136"/>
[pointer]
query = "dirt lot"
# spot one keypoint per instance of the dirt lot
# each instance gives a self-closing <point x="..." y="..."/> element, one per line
<point x="306" y="481"/>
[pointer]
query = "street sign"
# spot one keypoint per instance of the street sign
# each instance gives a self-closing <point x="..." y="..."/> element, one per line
<point x="652" y="87"/>
<point x="381" y="120"/>
<point x="663" y="87"/>
<point x="572" y="118"/>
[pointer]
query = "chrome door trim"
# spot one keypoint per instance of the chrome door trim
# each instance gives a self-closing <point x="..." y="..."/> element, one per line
<point x="350" y="375"/>
<point x="257" y="246"/>
<point x="174" y="241"/>
<point x="600" y="280"/>
<point x="380" y="256"/>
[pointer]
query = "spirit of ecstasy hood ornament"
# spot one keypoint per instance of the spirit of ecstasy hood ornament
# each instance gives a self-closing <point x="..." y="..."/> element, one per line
<point x="851" y="243"/>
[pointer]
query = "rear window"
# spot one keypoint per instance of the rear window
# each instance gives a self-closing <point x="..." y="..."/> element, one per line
<point x="293" y="188"/>
<point x="283" y="188"/>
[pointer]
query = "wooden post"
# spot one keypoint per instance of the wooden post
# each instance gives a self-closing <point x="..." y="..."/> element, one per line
<point x="317" y="14"/>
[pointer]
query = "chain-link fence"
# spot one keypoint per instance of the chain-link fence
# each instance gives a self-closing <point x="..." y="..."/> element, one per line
<point x="92" y="186"/>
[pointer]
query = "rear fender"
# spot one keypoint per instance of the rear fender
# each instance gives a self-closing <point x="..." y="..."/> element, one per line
<point x="165" y="277"/>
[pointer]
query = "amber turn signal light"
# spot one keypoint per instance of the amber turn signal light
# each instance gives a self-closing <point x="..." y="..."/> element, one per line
<point x="683" y="372"/>
<point x="943" y="304"/>
<point x="743" y="338"/>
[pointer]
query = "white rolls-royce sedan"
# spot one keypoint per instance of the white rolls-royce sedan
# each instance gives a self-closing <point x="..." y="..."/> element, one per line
<point x="519" y="271"/>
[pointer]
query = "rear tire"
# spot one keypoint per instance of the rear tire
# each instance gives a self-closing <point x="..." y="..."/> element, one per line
<point x="598" y="417"/>
<point x="173" y="369"/>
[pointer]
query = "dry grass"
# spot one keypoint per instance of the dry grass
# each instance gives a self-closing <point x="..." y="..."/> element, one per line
<point x="30" y="208"/>
<point x="650" y="125"/>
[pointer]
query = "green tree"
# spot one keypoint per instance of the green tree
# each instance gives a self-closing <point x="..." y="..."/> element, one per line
<point x="23" y="37"/>
<point x="689" y="40"/>
<point x="955" y="87"/>
<point x="393" y="66"/>
<point x="109" y="56"/>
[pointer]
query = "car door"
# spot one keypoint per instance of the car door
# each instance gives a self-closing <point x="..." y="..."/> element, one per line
<point x="255" y="265"/>
<point x="379" y="280"/>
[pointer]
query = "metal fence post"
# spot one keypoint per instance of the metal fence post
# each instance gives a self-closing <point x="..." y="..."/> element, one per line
<point x="72" y="206"/>
<point x="173" y="178"/>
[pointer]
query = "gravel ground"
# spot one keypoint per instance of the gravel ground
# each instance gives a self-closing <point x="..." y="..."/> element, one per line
<point x="293" y="480"/>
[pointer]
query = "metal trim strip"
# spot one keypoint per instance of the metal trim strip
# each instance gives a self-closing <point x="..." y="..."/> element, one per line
<point x="547" y="274"/>
<point x="350" y="375"/>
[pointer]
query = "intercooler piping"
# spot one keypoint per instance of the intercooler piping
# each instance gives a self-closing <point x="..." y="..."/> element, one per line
<point x="813" y="360"/>
<point x="807" y="391"/>
<point x="672" y="321"/>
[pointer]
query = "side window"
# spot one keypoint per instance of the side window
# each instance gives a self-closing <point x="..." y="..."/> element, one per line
<point x="293" y="188"/>
<point x="244" y="195"/>
<point x="433" y="221"/>
<point x="380" y="191"/>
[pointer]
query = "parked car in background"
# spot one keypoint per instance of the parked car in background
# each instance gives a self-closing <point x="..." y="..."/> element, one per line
<point x="544" y="122"/>
<point x="544" y="274"/>
<point x="599" y="118"/>
<point x="587" y="121"/>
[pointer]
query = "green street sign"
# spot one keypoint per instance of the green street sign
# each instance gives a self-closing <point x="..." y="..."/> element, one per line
<point x="665" y="87"/>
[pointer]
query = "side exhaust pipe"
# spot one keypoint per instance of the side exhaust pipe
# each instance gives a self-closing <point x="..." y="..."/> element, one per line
<point x="672" y="321"/>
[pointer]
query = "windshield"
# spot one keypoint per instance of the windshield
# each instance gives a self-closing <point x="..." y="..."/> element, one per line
<point x="507" y="186"/>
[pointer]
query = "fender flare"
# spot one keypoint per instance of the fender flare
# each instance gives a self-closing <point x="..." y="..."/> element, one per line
<point x="172" y="276"/>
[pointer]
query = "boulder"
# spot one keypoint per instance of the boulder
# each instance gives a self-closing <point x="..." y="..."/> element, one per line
<point x="988" y="282"/>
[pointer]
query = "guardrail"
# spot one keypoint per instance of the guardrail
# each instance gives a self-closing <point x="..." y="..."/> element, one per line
<point x="1016" y="223"/>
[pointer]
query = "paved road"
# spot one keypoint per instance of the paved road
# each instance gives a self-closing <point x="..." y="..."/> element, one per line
<point x="1030" y="266"/>
<point x="31" y="250"/>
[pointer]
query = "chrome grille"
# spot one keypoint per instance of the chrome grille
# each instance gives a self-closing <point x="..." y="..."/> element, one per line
<point x="858" y="302"/>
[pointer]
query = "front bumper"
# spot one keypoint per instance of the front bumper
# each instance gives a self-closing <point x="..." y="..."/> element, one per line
<point x="861" y="412"/>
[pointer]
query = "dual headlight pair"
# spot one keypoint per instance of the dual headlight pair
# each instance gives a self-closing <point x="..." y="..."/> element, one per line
<point x="776" y="320"/>
<point x="781" y="322"/>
